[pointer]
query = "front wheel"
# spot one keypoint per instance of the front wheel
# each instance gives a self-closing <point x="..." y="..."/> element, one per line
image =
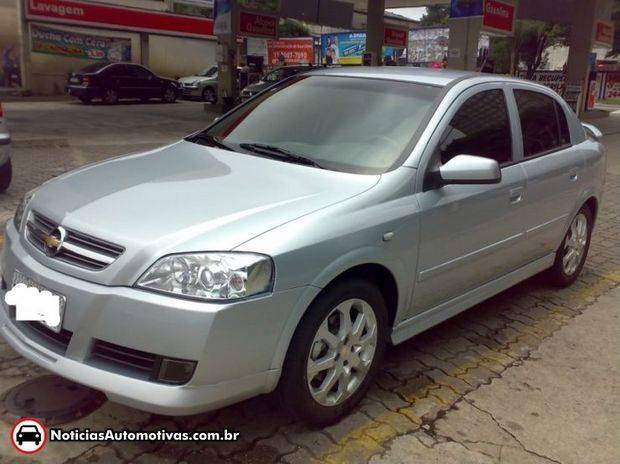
<point x="170" y="95"/>
<point x="335" y="352"/>
<point x="6" y="174"/>
<point x="571" y="256"/>
<point x="209" y="95"/>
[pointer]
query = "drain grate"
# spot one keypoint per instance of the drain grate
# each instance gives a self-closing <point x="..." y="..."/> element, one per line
<point x="52" y="399"/>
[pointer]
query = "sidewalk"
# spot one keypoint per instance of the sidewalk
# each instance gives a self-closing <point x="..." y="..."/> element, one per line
<point x="561" y="405"/>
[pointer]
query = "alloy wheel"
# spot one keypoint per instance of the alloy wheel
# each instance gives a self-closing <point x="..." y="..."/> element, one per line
<point x="169" y="96"/>
<point x="342" y="352"/>
<point x="111" y="97"/>
<point x="575" y="244"/>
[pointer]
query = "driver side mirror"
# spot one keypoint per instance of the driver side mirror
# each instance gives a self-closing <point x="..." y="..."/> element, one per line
<point x="468" y="169"/>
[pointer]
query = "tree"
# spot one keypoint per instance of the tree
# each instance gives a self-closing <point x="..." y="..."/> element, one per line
<point x="436" y="15"/>
<point x="293" y="28"/>
<point x="532" y="39"/>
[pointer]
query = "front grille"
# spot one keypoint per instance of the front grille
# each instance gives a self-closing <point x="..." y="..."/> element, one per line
<point x="57" y="342"/>
<point x="139" y="363"/>
<point x="78" y="249"/>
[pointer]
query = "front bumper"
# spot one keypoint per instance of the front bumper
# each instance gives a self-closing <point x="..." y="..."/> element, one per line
<point x="80" y="91"/>
<point x="234" y="344"/>
<point x="191" y="92"/>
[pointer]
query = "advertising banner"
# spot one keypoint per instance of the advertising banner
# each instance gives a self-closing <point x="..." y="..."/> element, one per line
<point x="349" y="48"/>
<point x="465" y="8"/>
<point x="498" y="16"/>
<point x="258" y="25"/>
<point x="395" y="37"/>
<point x="76" y="45"/>
<point x="83" y="13"/>
<point x="222" y="13"/>
<point x="604" y="33"/>
<point x="290" y="51"/>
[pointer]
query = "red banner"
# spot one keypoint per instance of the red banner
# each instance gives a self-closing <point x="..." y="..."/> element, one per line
<point x="498" y="15"/>
<point x="604" y="33"/>
<point x="290" y="51"/>
<point x="257" y="25"/>
<point x="76" y="12"/>
<point x="395" y="37"/>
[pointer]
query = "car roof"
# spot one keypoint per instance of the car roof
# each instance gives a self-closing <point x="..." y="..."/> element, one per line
<point x="428" y="76"/>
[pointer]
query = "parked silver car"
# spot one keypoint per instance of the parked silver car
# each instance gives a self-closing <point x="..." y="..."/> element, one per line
<point x="6" y="171"/>
<point x="203" y="85"/>
<point x="289" y="242"/>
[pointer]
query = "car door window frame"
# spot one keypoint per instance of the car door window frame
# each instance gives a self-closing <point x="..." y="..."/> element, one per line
<point x="428" y="158"/>
<point x="559" y="106"/>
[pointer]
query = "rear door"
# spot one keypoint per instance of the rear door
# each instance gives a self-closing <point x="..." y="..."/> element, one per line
<point x="553" y="166"/>
<point x="147" y="84"/>
<point x="119" y="78"/>
<point x="470" y="234"/>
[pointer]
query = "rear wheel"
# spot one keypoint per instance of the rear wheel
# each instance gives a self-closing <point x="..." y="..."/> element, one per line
<point x="170" y="95"/>
<point x="335" y="352"/>
<point x="571" y="256"/>
<point x="6" y="173"/>
<point x="110" y="97"/>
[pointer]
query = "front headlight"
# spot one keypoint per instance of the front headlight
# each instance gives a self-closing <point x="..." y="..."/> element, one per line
<point x="211" y="276"/>
<point x="19" y="212"/>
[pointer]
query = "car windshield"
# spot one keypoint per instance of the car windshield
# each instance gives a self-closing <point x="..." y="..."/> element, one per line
<point x="29" y="428"/>
<point x="208" y="72"/>
<point x="346" y="124"/>
<point x="91" y="68"/>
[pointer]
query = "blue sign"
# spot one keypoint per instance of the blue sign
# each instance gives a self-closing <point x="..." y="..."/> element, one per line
<point x="465" y="8"/>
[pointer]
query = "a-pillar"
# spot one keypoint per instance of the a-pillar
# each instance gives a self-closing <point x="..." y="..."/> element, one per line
<point x="374" y="33"/>
<point x="463" y="43"/>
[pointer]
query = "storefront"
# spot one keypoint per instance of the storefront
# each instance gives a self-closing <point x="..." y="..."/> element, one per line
<point x="61" y="36"/>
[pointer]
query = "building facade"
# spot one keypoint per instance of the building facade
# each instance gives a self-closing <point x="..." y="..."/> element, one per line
<point x="56" y="37"/>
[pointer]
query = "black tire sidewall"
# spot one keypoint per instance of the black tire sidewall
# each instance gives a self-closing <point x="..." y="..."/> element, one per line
<point x="6" y="174"/>
<point x="557" y="275"/>
<point x="293" y="388"/>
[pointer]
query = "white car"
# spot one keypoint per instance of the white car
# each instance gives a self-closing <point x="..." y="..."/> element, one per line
<point x="5" y="159"/>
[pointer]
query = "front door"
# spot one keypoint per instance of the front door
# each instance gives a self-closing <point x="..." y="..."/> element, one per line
<point x="470" y="234"/>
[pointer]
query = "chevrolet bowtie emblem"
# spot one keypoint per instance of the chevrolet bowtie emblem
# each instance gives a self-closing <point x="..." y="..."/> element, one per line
<point x="54" y="241"/>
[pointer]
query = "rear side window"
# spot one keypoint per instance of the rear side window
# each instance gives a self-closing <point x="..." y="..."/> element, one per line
<point x="480" y="127"/>
<point x="543" y="123"/>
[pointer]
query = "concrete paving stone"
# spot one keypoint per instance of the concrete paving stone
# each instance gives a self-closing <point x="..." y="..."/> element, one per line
<point x="352" y="426"/>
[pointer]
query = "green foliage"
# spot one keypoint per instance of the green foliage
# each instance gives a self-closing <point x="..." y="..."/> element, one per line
<point x="293" y="28"/>
<point x="436" y="15"/>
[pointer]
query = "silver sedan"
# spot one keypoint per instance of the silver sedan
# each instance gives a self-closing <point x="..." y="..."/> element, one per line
<point x="285" y="245"/>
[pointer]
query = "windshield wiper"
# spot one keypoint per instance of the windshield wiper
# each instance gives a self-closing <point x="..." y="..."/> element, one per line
<point x="211" y="140"/>
<point x="279" y="153"/>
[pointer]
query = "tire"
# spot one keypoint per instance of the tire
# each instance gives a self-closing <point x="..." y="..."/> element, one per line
<point x="209" y="95"/>
<point x="6" y="174"/>
<point x="561" y="274"/>
<point x="110" y="97"/>
<point x="169" y="96"/>
<point x="295" y="387"/>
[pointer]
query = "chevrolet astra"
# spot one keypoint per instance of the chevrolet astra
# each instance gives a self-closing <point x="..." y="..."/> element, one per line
<point x="288" y="243"/>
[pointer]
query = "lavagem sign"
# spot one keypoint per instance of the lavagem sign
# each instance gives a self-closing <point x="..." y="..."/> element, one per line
<point x="75" y="45"/>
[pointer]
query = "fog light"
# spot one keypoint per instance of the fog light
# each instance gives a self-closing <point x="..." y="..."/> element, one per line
<point x="175" y="371"/>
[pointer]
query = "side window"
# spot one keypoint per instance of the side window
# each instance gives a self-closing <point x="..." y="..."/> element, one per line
<point x="480" y="127"/>
<point x="139" y="71"/>
<point x="117" y="70"/>
<point x="543" y="122"/>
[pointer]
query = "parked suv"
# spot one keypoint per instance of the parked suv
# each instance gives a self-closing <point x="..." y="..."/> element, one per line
<point x="6" y="171"/>
<point x="281" y="249"/>
<point x="112" y="82"/>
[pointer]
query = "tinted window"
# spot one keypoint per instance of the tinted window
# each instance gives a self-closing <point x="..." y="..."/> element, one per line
<point x="117" y="70"/>
<point x="480" y="127"/>
<point x="543" y="122"/>
<point x="367" y="128"/>
<point x="139" y="71"/>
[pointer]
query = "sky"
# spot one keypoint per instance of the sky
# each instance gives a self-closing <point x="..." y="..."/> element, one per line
<point x="413" y="13"/>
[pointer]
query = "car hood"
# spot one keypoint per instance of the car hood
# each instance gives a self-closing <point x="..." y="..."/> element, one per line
<point x="186" y="197"/>
<point x="189" y="79"/>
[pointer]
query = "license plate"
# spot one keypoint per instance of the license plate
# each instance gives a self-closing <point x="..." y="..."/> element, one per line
<point x="19" y="278"/>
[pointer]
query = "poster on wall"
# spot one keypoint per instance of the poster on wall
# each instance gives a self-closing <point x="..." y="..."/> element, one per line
<point x="348" y="48"/>
<point x="76" y="45"/>
<point x="290" y="51"/>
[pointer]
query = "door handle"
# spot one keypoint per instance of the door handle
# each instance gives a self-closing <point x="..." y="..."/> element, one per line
<point x="573" y="174"/>
<point x="516" y="195"/>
